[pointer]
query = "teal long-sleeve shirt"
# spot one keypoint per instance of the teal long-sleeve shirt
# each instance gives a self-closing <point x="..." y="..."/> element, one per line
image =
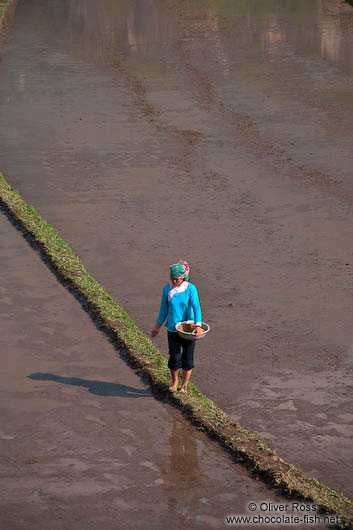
<point x="179" y="304"/>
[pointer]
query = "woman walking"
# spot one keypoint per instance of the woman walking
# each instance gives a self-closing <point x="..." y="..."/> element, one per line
<point x="180" y="302"/>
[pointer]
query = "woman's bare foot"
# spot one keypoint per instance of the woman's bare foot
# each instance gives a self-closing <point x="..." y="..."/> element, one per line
<point x="186" y="377"/>
<point x="174" y="386"/>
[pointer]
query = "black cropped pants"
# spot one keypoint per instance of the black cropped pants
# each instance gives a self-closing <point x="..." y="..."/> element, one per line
<point x="181" y="352"/>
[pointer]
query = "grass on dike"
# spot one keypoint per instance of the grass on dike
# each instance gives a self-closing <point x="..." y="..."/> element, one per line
<point x="242" y="443"/>
<point x="3" y="5"/>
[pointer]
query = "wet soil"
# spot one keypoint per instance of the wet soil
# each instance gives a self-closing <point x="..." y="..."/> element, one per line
<point x="84" y="444"/>
<point x="219" y="133"/>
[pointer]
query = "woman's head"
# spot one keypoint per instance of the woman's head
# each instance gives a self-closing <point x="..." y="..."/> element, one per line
<point x="179" y="272"/>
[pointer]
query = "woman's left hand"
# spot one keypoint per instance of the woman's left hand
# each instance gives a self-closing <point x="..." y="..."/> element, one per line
<point x="198" y="330"/>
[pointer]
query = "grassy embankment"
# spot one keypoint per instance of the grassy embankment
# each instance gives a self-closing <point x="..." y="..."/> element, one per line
<point x="7" y="10"/>
<point x="3" y="6"/>
<point x="242" y="443"/>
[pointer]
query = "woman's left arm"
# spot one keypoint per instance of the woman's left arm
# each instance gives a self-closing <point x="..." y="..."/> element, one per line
<point x="194" y="298"/>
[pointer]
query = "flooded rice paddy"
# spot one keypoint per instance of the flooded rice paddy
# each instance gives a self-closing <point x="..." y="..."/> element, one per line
<point x="219" y="132"/>
<point x="84" y="444"/>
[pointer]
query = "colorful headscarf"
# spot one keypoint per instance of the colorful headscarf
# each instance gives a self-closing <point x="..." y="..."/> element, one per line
<point x="180" y="270"/>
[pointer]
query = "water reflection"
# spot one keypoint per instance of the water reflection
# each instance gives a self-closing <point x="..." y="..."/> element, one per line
<point x="186" y="479"/>
<point x="183" y="454"/>
<point x="335" y="20"/>
<point x="272" y="36"/>
<point x="320" y="27"/>
<point x="94" y="30"/>
<point x="311" y="28"/>
<point x="139" y="29"/>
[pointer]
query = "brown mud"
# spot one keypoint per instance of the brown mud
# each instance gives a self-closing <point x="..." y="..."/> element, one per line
<point x="244" y="445"/>
<point x="132" y="124"/>
<point x="84" y="444"/>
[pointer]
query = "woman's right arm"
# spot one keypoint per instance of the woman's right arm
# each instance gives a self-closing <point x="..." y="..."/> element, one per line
<point x="163" y="312"/>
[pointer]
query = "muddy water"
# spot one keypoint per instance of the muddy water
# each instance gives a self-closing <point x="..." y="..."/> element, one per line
<point x="219" y="132"/>
<point x="83" y="442"/>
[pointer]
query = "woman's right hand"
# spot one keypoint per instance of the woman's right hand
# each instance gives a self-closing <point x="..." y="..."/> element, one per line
<point x="155" y="330"/>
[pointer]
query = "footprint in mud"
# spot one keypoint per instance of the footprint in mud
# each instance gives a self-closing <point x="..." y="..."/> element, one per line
<point x="128" y="432"/>
<point x="157" y="482"/>
<point x="74" y="464"/>
<point x="120" y="482"/>
<point x="4" y="436"/>
<point x="149" y="465"/>
<point x="287" y="405"/>
<point x="89" y="417"/>
<point x="47" y="445"/>
<point x="129" y="449"/>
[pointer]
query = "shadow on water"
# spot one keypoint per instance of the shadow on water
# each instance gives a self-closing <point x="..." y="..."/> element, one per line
<point x="99" y="388"/>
